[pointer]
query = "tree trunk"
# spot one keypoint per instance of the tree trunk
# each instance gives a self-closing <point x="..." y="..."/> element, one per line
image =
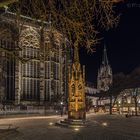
<point x="136" y="112"/>
<point x="110" y="109"/>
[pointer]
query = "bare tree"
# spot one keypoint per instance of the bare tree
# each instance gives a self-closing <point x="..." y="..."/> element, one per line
<point x="74" y="19"/>
<point x="119" y="81"/>
<point x="122" y="82"/>
<point x="6" y="2"/>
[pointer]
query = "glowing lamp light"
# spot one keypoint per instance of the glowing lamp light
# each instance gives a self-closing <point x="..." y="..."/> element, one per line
<point x="129" y="101"/>
<point x="61" y="103"/>
<point x="119" y="102"/>
<point x="76" y="129"/>
<point x="50" y="123"/>
<point x="104" y="124"/>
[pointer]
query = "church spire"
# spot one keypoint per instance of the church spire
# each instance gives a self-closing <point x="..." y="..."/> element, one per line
<point x="105" y="59"/>
<point x="76" y="54"/>
<point x="104" y="80"/>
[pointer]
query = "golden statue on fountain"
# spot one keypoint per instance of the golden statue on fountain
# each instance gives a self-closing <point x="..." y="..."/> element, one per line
<point x="76" y="85"/>
<point x="76" y="94"/>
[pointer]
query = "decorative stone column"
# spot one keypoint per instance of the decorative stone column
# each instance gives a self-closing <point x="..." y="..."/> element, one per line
<point x="42" y="82"/>
<point x="76" y="97"/>
<point x="18" y="75"/>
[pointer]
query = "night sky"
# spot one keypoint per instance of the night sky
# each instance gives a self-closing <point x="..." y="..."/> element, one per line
<point x="122" y="43"/>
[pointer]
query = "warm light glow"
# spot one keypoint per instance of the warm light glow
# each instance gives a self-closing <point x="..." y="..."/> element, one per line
<point x="61" y="103"/>
<point x="104" y="124"/>
<point x="76" y="129"/>
<point x="128" y="101"/>
<point x="30" y="118"/>
<point x="50" y="123"/>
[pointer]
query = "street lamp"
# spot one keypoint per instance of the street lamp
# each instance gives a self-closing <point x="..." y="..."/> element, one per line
<point x="61" y="108"/>
<point x="119" y="102"/>
<point x="61" y="103"/>
<point x="119" y="105"/>
<point x="128" y="101"/>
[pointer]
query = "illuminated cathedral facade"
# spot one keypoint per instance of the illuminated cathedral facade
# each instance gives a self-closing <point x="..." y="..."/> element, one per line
<point x="104" y="79"/>
<point x="33" y="63"/>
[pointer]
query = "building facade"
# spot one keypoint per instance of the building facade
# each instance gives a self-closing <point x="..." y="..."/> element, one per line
<point x="128" y="101"/>
<point x="104" y="79"/>
<point x="90" y="89"/>
<point x="33" y="61"/>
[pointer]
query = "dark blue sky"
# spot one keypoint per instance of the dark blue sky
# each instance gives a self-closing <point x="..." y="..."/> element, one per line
<point x="123" y="44"/>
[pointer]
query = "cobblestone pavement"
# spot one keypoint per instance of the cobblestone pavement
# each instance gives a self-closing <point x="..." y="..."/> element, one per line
<point x="101" y="127"/>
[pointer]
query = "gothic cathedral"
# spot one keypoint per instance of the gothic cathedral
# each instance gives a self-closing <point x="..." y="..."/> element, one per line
<point x="104" y="79"/>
